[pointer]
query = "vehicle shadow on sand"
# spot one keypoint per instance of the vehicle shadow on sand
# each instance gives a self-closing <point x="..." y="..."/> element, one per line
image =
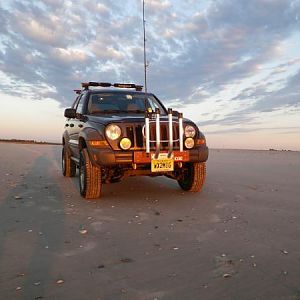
<point x="138" y="188"/>
<point x="32" y="230"/>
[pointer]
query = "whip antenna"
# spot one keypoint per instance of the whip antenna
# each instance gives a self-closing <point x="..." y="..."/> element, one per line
<point x="145" y="57"/>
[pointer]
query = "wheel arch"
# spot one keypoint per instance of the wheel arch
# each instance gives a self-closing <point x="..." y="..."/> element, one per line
<point x="88" y="134"/>
<point x="82" y="143"/>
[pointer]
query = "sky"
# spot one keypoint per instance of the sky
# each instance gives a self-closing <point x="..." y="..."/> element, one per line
<point x="232" y="66"/>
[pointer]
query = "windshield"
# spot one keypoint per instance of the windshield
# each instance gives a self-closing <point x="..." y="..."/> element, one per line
<point x="100" y="103"/>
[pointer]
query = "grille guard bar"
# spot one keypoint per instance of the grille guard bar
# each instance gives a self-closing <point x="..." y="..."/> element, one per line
<point x="158" y="140"/>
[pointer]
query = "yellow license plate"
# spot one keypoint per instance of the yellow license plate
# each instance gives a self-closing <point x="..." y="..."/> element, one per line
<point x="162" y="165"/>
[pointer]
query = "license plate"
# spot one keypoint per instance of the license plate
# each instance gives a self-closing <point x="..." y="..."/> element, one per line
<point x="162" y="163"/>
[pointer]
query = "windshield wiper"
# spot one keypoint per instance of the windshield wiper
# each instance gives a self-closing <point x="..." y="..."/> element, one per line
<point x="108" y="111"/>
<point x="139" y="111"/>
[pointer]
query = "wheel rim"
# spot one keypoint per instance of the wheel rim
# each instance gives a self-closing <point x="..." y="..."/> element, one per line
<point x="63" y="161"/>
<point x="82" y="176"/>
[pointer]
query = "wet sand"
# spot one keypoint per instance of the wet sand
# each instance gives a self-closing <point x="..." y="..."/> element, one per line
<point x="146" y="239"/>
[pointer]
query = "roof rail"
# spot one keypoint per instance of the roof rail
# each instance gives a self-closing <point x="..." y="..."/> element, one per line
<point x="86" y="85"/>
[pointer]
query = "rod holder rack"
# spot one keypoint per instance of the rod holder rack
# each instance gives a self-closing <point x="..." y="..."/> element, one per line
<point x="156" y="116"/>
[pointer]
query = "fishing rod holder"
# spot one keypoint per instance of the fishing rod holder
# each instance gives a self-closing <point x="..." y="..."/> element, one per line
<point x="154" y="117"/>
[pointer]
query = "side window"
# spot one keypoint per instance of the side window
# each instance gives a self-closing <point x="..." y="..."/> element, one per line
<point x="80" y="108"/>
<point x="76" y="102"/>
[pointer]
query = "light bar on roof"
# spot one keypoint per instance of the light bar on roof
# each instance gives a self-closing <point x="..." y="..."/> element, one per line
<point x="103" y="84"/>
<point x="128" y="86"/>
<point x="93" y="83"/>
<point x="86" y="85"/>
<point x="125" y="85"/>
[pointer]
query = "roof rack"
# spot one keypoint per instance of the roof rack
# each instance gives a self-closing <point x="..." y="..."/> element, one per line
<point x="86" y="85"/>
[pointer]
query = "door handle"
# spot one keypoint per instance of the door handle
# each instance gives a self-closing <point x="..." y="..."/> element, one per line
<point x="71" y="125"/>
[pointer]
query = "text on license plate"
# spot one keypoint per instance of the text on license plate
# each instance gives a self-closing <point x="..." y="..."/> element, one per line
<point x="162" y="165"/>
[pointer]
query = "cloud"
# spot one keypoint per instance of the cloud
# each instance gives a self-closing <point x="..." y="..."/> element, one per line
<point x="268" y="101"/>
<point x="289" y="96"/>
<point x="282" y="130"/>
<point x="68" y="56"/>
<point x="195" y="51"/>
<point x="156" y="6"/>
<point x="37" y="31"/>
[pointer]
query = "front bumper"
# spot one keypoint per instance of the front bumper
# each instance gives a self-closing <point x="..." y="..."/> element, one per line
<point x="109" y="157"/>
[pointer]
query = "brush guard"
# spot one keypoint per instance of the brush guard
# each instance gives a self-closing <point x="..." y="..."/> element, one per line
<point x="164" y="160"/>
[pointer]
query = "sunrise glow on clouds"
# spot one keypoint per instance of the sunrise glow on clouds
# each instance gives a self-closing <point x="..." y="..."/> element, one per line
<point x="232" y="66"/>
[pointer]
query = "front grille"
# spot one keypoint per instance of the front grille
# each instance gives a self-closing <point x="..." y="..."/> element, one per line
<point x="136" y="134"/>
<point x="139" y="136"/>
<point x="130" y="134"/>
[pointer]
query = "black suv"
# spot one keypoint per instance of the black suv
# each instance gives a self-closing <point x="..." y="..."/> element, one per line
<point x="116" y="130"/>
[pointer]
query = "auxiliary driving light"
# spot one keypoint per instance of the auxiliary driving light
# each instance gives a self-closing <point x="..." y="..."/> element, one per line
<point x="189" y="143"/>
<point x="113" y="131"/>
<point x="189" y="131"/>
<point x="125" y="143"/>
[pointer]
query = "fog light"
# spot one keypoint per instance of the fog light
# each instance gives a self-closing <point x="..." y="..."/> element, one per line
<point x="125" y="143"/>
<point x="189" y="143"/>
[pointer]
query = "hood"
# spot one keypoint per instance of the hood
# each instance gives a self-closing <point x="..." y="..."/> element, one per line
<point x="125" y="118"/>
<point x="117" y="118"/>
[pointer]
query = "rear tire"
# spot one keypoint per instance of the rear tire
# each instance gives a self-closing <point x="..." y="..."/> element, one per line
<point x="193" y="177"/>
<point x="68" y="166"/>
<point x="89" y="177"/>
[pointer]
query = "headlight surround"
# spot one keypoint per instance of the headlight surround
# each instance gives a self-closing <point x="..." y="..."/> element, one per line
<point x="189" y="143"/>
<point x="189" y="131"/>
<point x="113" y="132"/>
<point x="125" y="143"/>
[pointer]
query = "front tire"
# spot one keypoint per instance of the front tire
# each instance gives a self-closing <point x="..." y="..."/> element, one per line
<point x="193" y="177"/>
<point x="68" y="166"/>
<point x="89" y="177"/>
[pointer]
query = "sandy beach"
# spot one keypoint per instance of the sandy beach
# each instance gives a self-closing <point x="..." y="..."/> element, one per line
<point x="146" y="238"/>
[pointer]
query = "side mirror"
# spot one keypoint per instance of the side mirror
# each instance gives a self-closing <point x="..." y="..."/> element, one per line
<point x="70" y="113"/>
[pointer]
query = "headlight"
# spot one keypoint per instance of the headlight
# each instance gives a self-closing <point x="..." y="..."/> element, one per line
<point x="189" y="131"/>
<point x="189" y="143"/>
<point x="113" y="132"/>
<point x="125" y="143"/>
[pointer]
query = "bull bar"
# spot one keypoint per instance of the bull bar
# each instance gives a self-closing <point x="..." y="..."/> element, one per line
<point x="157" y="141"/>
